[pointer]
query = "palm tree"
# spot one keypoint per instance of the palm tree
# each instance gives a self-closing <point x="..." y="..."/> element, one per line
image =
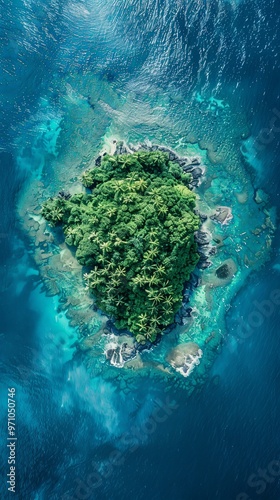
<point x="119" y="185"/>
<point x="115" y="281"/>
<point x="56" y="214"/>
<point x="94" y="281"/>
<point x="105" y="246"/>
<point x="152" y="234"/>
<point x="112" y="234"/>
<point x="158" y="202"/>
<point x="153" y="280"/>
<point x="101" y="258"/>
<point x="128" y="198"/>
<point x="160" y="269"/>
<point x="167" y="310"/>
<point x="155" y="321"/>
<point x="141" y="326"/>
<point x="124" y="160"/>
<point x="150" y="254"/>
<point x="87" y="178"/>
<point x="151" y="334"/>
<point x="142" y="323"/>
<point x="139" y="280"/>
<point x="154" y="192"/>
<point x="154" y="296"/>
<point x="154" y="243"/>
<point x="168" y="300"/>
<point x="140" y="185"/>
<point x="111" y="211"/>
<point x="119" y="301"/>
<point x="94" y="236"/>
<point x="109" y="264"/>
<point x="110" y="289"/>
<point x="132" y="177"/>
<point x="163" y="209"/>
<point x="120" y="271"/>
<point x="143" y="317"/>
<point x="94" y="219"/>
<point x="71" y="234"/>
<point x="118" y="242"/>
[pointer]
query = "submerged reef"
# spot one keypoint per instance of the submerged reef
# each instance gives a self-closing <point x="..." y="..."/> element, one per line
<point x="135" y="232"/>
<point x="236" y="226"/>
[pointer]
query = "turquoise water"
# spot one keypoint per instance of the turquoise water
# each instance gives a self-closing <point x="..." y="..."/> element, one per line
<point x="202" y="78"/>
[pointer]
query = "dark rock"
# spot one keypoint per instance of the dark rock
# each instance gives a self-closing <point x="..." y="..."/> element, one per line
<point x="120" y="148"/>
<point x="194" y="183"/>
<point x="202" y="238"/>
<point x="203" y="217"/>
<point x="172" y="157"/>
<point x="194" y="280"/>
<point x="222" y="215"/>
<point x="202" y="254"/>
<point x="223" y="271"/>
<point x="109" y="353"/>
<point x="64" y="194"/>
<point x="187" y="168"/>
<point x="179" y="318"/>
<point x="195" y="161"/>
<point x="90" y="103"/>
<point x="197" y="173"/>
<point x="186" y="296"/>
<point x="213" y="251"/>
<point x="182" y="162"/>
<point x="188" y="312"/>
<point x="128" y="352"/>
<point x="98" y="161"/>
<point x="204" y="264"/>
<point x="169" y="328"/>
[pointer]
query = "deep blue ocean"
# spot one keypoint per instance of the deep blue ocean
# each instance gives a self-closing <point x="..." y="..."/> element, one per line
<point x="223" y="442"/>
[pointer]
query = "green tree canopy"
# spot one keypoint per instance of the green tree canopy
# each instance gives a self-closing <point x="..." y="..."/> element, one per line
<point x="134" y="230"/>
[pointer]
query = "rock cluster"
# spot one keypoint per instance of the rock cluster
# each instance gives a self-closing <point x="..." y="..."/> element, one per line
<point x="222" y="215"/>
<point x="64" y="194"/>
<point x="118" y="352"/>
<point x="205" y="248"/>
<point x="185" y="357"/>
<point x="185" y="311"/>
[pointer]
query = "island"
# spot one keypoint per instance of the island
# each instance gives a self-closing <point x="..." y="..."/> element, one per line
<point x="142" y="246"/>
<point x="134" y="231"/>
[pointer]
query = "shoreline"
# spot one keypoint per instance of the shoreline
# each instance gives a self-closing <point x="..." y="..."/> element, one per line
<point x="90" y="324"/>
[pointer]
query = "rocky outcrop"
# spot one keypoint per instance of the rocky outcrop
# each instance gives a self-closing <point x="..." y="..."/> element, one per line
<point x="185" y="357"/>
<point x="222" y="215"/>
<point x="202" y="238"/>
<point x="118" y="352"/>
<point x="204" y="248"/>
<point x="226" y="271"/>
<point x="64" y="194"/>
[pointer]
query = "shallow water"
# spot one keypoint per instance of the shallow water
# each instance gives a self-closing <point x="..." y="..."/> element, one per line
<point x="173" y="72"/>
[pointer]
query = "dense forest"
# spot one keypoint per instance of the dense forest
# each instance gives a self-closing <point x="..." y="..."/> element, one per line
<point x="134" y="232"/>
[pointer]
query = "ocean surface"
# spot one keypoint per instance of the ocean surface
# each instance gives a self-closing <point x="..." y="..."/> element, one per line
<point x="81" y="441"/>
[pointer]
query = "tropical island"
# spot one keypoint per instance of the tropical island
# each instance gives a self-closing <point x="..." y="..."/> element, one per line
<point x="134" y="231"/>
